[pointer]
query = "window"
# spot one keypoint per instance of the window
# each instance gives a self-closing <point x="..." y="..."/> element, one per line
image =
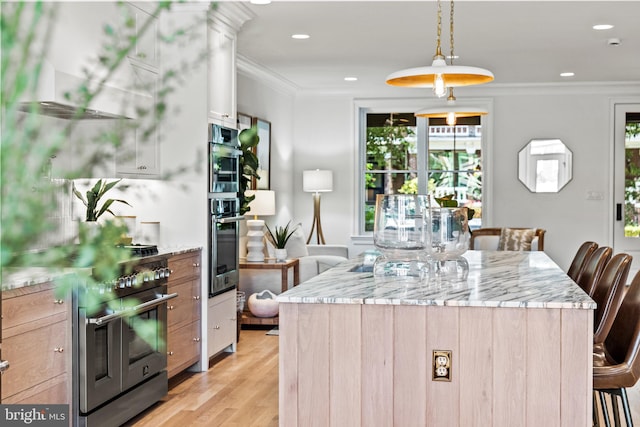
<point x="402" y="154"/>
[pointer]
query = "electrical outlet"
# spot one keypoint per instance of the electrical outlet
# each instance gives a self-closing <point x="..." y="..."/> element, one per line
<point x="441" y="365"/>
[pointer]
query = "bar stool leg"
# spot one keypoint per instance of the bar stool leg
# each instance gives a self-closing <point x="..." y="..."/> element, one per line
<point x="625" y="407"/>
<point x="605" y="411"/>
<point x="614" y="406"/>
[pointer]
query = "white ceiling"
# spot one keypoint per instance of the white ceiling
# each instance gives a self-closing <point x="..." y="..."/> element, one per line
<point x="521" y="42"/>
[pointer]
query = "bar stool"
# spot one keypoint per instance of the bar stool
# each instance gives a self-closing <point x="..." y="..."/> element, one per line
<point x="616" y="361"/>
<point x="593" y="269"/>
<point x="607" y="293"/>
<point x="580" y="259"/>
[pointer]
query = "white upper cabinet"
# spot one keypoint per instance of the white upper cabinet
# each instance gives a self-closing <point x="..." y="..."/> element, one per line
<point x="224" y="24"/>
<point x="146" y="49"/>
<point x="139" y="153"/>
<point x="222" y="75"/>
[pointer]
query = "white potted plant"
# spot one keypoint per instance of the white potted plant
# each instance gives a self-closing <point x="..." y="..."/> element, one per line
<point x="279" y="237"/>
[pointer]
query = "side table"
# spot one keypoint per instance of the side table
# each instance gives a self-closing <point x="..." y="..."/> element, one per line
<point x="271" y="264"/>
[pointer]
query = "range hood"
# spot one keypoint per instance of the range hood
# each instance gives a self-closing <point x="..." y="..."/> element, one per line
<point x="111" y="103"/>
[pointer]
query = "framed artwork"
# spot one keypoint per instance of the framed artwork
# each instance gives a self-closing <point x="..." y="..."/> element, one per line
<point x="263" y="152"/>
<point x="244" y="121"/>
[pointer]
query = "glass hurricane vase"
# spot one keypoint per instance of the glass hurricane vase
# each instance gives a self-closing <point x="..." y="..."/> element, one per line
<point x="399" y="234"/>
<point x="447" y="238"/>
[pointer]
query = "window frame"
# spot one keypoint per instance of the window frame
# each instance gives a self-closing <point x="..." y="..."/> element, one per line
<point x="362" y="107"/>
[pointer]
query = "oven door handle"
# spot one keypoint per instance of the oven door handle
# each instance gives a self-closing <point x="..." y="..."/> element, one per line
<point x="225" y="220"/>
<point x="131" y="310"/>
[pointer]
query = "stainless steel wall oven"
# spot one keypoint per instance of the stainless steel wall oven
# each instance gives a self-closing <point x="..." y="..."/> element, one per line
<point x="224" y="209"/>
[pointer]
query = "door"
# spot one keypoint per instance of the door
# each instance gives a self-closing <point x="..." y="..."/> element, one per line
<point x="626" y="237"/>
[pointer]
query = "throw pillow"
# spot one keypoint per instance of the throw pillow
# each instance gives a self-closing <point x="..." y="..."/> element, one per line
<point x="297" y="244"/>
<point x="512" y="239"/>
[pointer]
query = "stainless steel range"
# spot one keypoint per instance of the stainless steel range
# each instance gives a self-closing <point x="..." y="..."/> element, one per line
<point x="118" y="373"/>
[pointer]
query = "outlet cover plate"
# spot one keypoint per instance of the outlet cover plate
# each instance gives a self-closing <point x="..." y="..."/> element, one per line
<point x="441" y="365"/>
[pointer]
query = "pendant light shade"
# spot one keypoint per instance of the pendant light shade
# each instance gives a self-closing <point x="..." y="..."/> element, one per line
<point x="452" y="75"/>
<point x="452" y="111"/>
<point x="439" y="75"/>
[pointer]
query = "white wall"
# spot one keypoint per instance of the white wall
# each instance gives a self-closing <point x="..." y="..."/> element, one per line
<point x="324" y="129"/>
<point x="276" y="106"/>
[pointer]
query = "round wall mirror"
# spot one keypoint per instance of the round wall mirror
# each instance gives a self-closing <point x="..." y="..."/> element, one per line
<point x="544" y="165"/>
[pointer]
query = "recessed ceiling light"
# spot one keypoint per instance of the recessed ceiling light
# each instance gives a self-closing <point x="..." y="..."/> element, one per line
<point x="602" y="27"/>
<point x="300" y="36"/>
<point x="567" y="74"/>
<point x="350" y="79"/>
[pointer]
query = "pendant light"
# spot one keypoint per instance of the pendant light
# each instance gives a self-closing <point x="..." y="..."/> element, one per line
<point x="452" y="111"/>
<point x="439" y="75"/>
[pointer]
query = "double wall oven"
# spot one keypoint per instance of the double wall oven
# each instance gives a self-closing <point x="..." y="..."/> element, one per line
<point x="224" y="209"/>
<point x="120" y="334"/>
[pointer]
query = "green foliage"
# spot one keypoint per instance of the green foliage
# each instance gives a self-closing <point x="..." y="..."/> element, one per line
<point x="249" y="139"/>
<point x="409" y="187"/>
<point x="93" y="198"/>
<point x="280" y="236"/>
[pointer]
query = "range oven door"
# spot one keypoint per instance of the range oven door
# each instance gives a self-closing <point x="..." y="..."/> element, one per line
<point x="100" y="368"/>
<point x="224" y="257"/>
<point x="144" y="337"/>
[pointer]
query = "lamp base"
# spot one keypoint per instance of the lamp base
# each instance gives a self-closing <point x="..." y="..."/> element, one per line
<point x="316" y="221"/>
<point x="255" y="236"/>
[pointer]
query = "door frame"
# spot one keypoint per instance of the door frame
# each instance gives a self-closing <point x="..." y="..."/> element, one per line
<point x="612" y="199"/>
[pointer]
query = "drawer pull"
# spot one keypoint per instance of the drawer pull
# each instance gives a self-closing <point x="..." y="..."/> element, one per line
<point x="171" y="307"/>
<point x="58" y="301"/>
<point x="216" y="327"/>
<point x="196" y="264"/>
<point x="197" y="297"/>
<point x="169" y="353"/>
<point x="58" y="349"/>
<point x="196" y="339"/>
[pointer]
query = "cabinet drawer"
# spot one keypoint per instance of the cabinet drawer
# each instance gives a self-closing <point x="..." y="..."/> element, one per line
<point x="183" y="347"/>
<point x="53" y="391"/>
<point x="184" y="266"/>
<point x="35" y="357"/>
<point x="20" y="308"/>
<point x="185" y="308"/>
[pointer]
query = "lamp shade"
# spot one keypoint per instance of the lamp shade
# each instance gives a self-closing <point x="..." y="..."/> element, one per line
<point x="264" y="203"/>
<point x="317" y="181"/>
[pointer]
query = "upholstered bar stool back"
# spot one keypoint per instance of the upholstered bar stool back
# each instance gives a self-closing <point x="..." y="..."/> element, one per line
<point x="589" y="276"/>
<point x="616" y="362"/>
<point x="580" y="259"/>
<point x="608" y="293"/>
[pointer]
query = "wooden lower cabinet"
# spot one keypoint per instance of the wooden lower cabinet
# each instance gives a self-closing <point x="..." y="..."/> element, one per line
<point x="36" y="341"/>
<point x="183" y="312"/>
<point x="183" y="348"/>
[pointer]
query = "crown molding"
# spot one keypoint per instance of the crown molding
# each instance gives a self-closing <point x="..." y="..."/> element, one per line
<point x="231" y="14"/>
<point x="252" y="69"/>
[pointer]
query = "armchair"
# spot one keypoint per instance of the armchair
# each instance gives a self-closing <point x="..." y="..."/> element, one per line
<point x="521" y="238"/>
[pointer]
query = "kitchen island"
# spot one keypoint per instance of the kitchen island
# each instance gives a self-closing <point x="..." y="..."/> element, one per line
<point x="358" y="350"/>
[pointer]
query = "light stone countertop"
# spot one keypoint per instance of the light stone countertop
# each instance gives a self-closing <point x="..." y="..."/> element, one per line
<point x="496" y="279"/>
<point x="14" y="278"/>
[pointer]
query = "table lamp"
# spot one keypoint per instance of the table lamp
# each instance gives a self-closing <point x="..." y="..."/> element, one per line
<point x="264" y="204"/>
<point x="317" y="181"/>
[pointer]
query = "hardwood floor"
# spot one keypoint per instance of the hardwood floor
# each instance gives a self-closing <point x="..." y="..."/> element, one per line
<point x="240" y="390"/>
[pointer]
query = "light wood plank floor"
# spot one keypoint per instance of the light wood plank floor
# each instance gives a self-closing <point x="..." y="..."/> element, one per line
<point x="240" y="390"/>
